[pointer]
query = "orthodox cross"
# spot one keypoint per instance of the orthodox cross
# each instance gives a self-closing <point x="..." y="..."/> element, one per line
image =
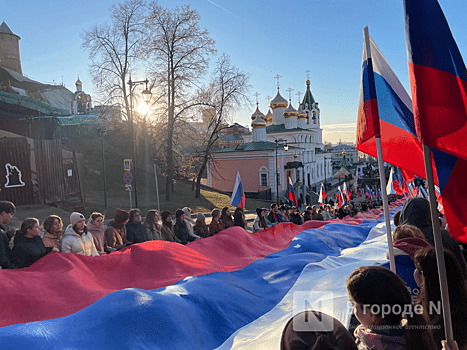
<point x="269" y="99"/>
<point x="308" y="75"/>
<point x="298" y="94"/>
<point x="278" y="77"/>
<point x="257" y="97"/>
<point x="290" y="93"/>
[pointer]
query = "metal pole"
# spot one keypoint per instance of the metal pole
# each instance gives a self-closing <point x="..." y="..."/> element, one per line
<point x="103" y="170"/>
<point x="325" y="179"/>
<point x="382" y="179"/>
<point x="157" y="189"/>
<point x="382" y="176"/>
<point x="438" y="246"/>
<point x="133" y="140"/>
<point x="277" y="181"/>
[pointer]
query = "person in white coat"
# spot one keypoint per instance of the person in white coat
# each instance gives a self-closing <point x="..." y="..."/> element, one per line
<point x="189" y="223"/>
<point x="77" y="239"/>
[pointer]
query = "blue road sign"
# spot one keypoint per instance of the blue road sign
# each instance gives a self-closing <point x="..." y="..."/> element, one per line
<point x="127" y="177"/>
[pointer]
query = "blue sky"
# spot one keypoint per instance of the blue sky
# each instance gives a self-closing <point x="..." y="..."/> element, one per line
<point x="263" y="38"/>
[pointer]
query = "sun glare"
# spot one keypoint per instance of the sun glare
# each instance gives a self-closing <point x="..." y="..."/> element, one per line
<point x="143" y="108"/>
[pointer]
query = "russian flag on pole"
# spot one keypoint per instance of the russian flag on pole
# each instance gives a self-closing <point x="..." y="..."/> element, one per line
<point x="401" y="181"/>
<point x="368" y="193"/>
<point x="340" y="197"/>
<point x="385" y="108"/>
<point x="322" y="194"/>
<point x="345" y="193"/>
<point x="438" y="80"/>
<point x="393" y="183"/>
<point x="292" y="196"/>
<point x="413" y="191"/>
<point x="238" y="196"/>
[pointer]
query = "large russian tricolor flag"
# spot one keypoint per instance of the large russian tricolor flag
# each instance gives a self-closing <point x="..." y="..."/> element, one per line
<point x="386" y="109"/>
<point x="438" y="81"/>
<point x="231" y="291"/>
<point x="438" y="78"/>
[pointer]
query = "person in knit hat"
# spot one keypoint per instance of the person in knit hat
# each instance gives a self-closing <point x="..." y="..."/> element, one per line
<point x="181" y="229"/>
<point x="189" y="223"/>
<point x="200" y="226"/>
<point x="76" y="238"/>
<point x="167" y="231"/>
<point x="115" y="234"/>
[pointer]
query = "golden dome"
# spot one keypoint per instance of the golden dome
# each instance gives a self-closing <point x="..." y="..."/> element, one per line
<point x="278" y="101"/>
<point x="258" y="113"/>
<point x="290" y="112"/>
<point x="258" y="122"/>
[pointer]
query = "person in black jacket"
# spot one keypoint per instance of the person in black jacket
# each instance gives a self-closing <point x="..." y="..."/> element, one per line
<point x="7" y="210"/>
<point x="135" y="230"/>
<point x="180" y="228"/>
<point x="28" y="244"/>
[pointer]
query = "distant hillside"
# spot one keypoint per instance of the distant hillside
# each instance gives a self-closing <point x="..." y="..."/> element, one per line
<point x="117" y="147"/>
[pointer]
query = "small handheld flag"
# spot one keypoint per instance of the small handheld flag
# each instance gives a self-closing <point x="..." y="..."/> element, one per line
<point x="340" y="197"/>
<point x="322" y="194"/>
<point x="238" y="196"/>
<point x="345" y="193"/>
<point x="292" y="196"/>
<point x="368" y="193"/>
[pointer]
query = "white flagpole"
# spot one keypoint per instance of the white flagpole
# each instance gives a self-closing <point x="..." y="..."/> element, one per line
<point x="382" y="176"/>
<point x="438" y="246"/>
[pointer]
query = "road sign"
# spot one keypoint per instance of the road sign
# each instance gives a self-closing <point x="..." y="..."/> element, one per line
<point x="127" y="164"/>
<point x="128" y="187"/>
<point x="127" y="177"/>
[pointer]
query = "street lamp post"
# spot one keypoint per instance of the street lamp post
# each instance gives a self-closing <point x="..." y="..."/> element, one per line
<point x="325" y="180"/>
<point x="146" y="97"/>
<point x="286" y="147"/>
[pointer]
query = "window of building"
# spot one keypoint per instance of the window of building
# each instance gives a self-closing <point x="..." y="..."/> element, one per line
<point x="264" y="180"/>
<point x="278" y="175"/>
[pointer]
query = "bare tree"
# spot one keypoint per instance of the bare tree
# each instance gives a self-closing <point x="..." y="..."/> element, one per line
<point x="227" y="90"/>
<point x="181" y="50"/>
<point x="113" y="50"/>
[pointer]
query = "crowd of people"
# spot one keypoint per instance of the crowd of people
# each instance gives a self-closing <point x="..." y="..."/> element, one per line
<point x="284" y="213"/>
<point x="371" y="289"/>
<point x="92" y="237"/>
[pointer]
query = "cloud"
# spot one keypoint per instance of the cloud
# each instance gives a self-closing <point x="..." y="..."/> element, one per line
<point x="339" y="132"/>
